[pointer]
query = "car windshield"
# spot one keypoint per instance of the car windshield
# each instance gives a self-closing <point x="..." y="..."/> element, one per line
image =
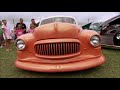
<point x="58" y="19"/>
<point x="95" y="27"/>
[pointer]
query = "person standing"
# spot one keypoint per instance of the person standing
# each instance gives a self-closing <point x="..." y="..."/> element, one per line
<point x="23" y="25"/>
<point x="33" y="22"/>
<point x="1" y="35"/>
<point x="7" y="35"/>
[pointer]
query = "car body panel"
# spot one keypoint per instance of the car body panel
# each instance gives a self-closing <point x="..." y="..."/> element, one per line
<point x="74" y="66"/>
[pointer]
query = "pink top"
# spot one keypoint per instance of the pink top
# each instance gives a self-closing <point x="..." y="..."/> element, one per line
<point x="19" y="32"/>
<point x="30" y="30"/>
<point x="7" y="32"/>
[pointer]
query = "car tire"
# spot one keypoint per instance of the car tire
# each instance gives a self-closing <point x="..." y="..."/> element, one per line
<point x="116" y="39"/>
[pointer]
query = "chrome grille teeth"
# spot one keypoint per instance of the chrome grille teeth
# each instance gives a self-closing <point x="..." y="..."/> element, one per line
<point x="56" y="49"/>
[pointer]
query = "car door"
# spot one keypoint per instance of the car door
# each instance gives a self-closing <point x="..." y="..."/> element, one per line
<point x="107" y="36"/>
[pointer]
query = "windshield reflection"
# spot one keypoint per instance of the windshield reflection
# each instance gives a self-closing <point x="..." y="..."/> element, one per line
<point x="58" y="19"/>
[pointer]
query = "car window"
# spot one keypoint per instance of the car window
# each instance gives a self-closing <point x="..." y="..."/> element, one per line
<point x="58" y="19"/>
<point x="95" y="27"/>
<point x="113" y="31"/>
<point x="110" y="32"/>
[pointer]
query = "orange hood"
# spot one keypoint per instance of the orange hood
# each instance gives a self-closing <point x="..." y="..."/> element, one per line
<point x="56" y="30"/>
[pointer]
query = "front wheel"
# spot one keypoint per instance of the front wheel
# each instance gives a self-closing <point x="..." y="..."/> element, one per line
<point x="116" y="39"/>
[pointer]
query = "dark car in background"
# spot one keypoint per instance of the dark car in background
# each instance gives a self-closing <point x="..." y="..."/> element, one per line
<point x="109" y="31"/>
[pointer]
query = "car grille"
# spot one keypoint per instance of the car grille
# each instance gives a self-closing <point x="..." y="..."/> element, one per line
<point x="59" y="48"/>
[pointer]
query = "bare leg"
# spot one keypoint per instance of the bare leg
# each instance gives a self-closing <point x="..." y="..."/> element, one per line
<point x="6" y="45"/>
<point x="9" y="41"/>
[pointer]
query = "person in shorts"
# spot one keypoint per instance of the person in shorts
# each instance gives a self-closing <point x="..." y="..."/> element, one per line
<point x="6" y="35"/>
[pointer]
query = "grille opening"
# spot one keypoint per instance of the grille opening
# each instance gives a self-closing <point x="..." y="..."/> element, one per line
<point x="62" y="48"/>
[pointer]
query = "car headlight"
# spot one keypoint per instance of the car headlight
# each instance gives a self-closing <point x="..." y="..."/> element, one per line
<point x="95" y="41"/>
<point x="20" y="44"/>
<point x="118" y="36"/>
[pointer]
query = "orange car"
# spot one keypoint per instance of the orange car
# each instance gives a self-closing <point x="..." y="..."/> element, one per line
<point x="58" y="44"/>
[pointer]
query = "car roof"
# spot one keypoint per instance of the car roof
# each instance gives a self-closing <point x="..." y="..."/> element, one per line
<point x="58" y="16"/>
<point x="110" y="20"/>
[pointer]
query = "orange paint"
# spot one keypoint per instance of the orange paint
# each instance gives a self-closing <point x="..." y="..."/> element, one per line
<point x="59" y="47"/>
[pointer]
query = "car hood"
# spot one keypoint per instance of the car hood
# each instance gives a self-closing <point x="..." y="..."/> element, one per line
<point x="56" y="30"/>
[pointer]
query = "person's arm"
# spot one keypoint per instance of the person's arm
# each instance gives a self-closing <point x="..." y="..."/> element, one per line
<point x="25" y="26"/>
<point x="3" y="30"/>
<point x="17" y="25"/>
<point x="38" y="24"/>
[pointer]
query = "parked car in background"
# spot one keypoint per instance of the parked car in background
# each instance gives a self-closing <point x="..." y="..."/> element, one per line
<point x="58" y="44"/>
<point x="110" y="32"/>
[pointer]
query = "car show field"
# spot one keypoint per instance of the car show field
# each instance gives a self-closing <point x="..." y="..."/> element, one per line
<point x="110" y="69"/>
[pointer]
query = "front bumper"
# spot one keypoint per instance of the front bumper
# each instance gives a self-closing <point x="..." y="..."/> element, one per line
<point x="74" y="66"/>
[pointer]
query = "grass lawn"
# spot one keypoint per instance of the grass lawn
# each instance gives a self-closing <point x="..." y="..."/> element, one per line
<point x="111" y="68"/>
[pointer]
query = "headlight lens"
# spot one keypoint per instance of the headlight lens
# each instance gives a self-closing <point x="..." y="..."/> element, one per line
<point x="95" y="41"/>
<point x="118" y="36"/>
<point x="20" y="44"/>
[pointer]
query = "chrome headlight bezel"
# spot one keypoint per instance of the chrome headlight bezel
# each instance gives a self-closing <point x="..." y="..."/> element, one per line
<point x="20" y="44"/>
<point x="95" y="41"/>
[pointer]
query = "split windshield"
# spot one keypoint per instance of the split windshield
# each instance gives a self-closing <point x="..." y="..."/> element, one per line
<point x="58" y="19"/>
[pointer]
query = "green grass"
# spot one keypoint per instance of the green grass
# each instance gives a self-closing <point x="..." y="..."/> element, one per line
<point x="110" y="69"/>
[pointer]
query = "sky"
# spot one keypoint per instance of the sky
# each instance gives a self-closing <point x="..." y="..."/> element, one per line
<point x="82" y="17"/>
